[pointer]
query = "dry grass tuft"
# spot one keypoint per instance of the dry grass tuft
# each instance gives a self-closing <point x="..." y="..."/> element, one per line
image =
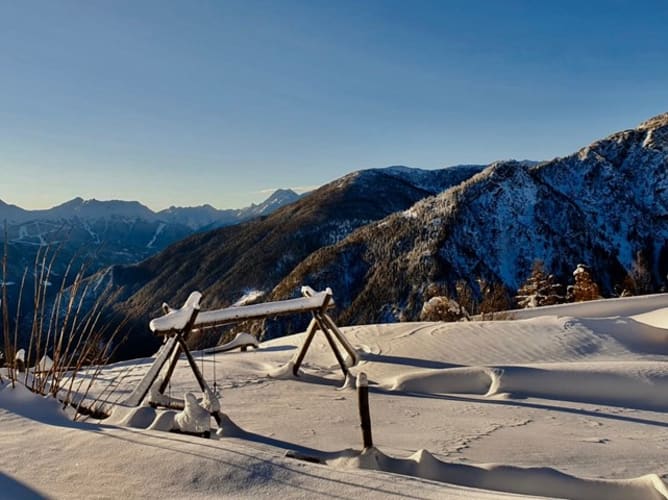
<point x="67" y="346"/>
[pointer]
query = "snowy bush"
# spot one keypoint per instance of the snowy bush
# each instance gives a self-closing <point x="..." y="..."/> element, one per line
<point x="441" y="308"/>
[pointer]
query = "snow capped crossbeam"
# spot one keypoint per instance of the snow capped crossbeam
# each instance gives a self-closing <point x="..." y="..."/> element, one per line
<point x="176" y="320"/>
<point x="257" y="311"/>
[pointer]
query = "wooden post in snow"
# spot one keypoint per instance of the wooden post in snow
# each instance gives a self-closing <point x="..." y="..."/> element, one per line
<point x="363" y="403"/>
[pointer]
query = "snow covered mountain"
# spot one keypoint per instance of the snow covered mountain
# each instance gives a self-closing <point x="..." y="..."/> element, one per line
<point x="96" y="209"/>
<point x="99" y="234"/>
<point x="206" y="217"/>
<point x="226" y="263"/>
<point x="605" y="206"/>
<point x="278" y="198"/>
<point x="195" y="218"/>
<point x="383" y="238"/>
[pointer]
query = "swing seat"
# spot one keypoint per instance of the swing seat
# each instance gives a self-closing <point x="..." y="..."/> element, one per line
<point x="242" y="341"/>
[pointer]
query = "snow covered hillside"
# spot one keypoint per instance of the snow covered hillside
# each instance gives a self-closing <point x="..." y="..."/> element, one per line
<point x="570" y="404"/>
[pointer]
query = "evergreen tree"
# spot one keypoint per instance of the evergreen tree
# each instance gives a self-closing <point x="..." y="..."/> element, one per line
<point x="466" y="297"/>
<point x="585" y="288"/>
<point x="495" y="298"/>
<point x="641" y="275"/>
<point x="540" y="289"/>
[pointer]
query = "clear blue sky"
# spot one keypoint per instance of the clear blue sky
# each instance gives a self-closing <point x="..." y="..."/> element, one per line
<point x="192" y="102"/>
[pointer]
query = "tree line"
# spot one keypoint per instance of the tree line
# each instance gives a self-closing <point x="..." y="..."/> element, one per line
<point x="541" y="288"/>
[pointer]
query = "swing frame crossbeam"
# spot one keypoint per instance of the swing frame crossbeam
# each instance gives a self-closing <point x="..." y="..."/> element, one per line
<point x="177" y="324"/>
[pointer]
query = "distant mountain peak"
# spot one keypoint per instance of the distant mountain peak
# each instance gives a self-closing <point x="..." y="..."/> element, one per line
<point x="9" y="212"/>
<point x="206" y="217"/>
<point x="282" y="196"/>
<point x="96" y="209"/>
<point x="277" y="199"/>
<point x="74" y="202"/>
<point x="282" y="191"/>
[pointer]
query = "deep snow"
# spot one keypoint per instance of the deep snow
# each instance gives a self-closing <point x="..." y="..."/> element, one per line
<point x="568" y="404"/>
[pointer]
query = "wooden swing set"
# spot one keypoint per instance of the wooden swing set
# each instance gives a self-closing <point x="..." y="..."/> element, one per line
<point x="176" y="325"/>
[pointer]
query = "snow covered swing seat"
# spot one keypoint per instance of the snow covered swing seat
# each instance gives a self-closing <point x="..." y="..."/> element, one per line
<point x="176" y="325"/>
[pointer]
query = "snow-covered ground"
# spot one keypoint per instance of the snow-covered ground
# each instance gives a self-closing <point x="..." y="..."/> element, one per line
<point x="552" y="406"/>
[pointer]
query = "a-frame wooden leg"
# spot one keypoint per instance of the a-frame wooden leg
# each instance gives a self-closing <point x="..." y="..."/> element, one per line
<point x="310" y="332"/>
<point x="170" y="349"/>
<point x="200" y="379"/>
<point x="332" y="345"/>
<point x="322" y="321"/>
<point x="340" y="337"/>
<point x="140" y="392"/>
<point x="170" y="369"/>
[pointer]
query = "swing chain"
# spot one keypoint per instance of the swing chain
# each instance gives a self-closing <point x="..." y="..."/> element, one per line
<point x="215" y="383"/>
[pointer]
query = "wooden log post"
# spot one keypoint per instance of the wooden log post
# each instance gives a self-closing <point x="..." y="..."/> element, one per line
<point x="332" y="345"/>
<point x="354" y="356"/>
<point x="144" y="386"/>
<point x="180" y="345"/>
<point x="363" y="403"/>
<point x="310" y="332"/>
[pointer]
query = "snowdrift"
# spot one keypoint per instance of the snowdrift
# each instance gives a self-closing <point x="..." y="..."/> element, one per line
<point x="557" y="406"/>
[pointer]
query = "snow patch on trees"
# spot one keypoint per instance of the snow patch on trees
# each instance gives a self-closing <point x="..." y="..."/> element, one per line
<point x="585" y="288"/>
<point x="442" y="309"/>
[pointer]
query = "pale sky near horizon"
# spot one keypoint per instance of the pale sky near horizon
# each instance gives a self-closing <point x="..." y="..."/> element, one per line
<point x="193" y="102"/>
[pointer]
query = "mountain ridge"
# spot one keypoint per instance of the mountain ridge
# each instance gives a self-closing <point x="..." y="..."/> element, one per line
<point x="385" y="239"/>
<point x="87" y="236"/>
<point x="226" y="263"/>
<point x="604" y="205"/>
<point x="205" y="215"/>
